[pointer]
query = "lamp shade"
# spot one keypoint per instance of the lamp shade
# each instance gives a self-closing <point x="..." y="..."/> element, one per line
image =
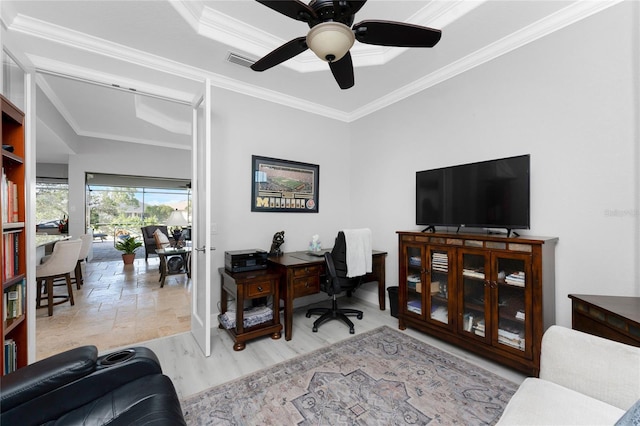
<point x="330" y="41"/>
<point x="176" y="218"/>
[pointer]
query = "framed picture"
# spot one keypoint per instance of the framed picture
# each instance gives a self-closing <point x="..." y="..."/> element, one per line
<point x="283" y="186"/>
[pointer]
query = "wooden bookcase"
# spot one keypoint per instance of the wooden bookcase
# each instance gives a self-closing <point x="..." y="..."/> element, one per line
<point x="13" y="253"/>
<point x="490" y="294"/>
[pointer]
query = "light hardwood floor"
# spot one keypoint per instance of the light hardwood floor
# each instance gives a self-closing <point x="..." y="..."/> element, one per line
<point x="122" y="307"/>
<point x="191" y="372"/>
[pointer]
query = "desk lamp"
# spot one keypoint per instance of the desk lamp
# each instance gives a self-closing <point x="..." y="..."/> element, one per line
<point x="177" y="221"/>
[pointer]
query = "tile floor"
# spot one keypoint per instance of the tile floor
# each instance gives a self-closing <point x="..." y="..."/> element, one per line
<point x="118" y="305"/>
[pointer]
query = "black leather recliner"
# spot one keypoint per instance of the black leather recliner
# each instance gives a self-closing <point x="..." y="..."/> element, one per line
<point x="77" y="387"/>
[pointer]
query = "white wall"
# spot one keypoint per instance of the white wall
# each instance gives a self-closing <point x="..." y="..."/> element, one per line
<point x="244" y="126"/>
<point x="571" y="101"/>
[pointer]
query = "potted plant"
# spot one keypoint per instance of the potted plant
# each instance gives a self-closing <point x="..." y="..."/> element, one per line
<point x="128" y="247"/>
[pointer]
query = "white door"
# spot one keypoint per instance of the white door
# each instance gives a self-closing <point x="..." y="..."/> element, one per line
<point x="202" y="254"/>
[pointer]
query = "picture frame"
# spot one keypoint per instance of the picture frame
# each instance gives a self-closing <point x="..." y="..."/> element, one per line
<point x="284" y="186"/>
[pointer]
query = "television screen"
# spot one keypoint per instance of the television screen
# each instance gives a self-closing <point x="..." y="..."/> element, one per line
<point x="487" y="194"/>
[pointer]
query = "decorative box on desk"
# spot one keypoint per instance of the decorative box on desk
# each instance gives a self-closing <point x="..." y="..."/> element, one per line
<point x="243" y="286"/>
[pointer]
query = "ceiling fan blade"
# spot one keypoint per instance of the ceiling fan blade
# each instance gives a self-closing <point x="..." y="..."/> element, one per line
<point x="292" y="8"/>
<point x="388" y="33"/>
<point x="281" y="54"/>
<point x="343" y="71"/>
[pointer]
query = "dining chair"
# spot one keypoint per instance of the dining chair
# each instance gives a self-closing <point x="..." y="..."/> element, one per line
<point x="61" y="263"/>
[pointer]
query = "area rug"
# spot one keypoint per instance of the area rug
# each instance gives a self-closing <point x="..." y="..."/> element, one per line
<point x="380" y="377"/>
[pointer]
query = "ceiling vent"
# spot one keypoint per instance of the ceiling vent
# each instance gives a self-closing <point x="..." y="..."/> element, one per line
<point x="234" y="58"/>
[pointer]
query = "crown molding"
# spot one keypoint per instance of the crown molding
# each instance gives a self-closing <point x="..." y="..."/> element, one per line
<point x="73" y="39"/>
<point x="554" y="22"/>
<point x="233" y="32"/>
<point x="90" y="75"/>
<point x="442" y="14"/>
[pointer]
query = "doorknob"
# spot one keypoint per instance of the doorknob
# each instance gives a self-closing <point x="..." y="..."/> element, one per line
<point x="204" y="248"/>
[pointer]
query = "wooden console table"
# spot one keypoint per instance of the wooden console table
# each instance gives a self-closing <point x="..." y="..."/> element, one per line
<point x="250" y="286"/>
<point x="300" y="274"/>
<point x="612" y="317"/>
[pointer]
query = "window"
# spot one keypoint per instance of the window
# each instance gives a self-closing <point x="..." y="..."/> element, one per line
<point x="118" y="210"/>
<point x="52" y="204"/>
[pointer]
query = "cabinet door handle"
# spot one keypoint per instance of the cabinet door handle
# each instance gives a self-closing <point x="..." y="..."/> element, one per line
<point x="306" y="284"/>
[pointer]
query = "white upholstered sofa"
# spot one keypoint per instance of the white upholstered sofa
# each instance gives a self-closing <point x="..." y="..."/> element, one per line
<point x="584" y="380"/>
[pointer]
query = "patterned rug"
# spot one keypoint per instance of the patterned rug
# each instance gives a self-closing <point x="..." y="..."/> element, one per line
<point x="381" y="377"/>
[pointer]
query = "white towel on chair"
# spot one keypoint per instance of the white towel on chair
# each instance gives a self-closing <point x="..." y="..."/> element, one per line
<point x="359" y="255"/>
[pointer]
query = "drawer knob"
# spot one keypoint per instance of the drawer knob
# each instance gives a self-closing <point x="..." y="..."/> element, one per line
<point x="260" y="289"/>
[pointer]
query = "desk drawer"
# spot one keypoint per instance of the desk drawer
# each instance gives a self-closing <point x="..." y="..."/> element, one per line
<point x="307" y="270"/>
<point x="305" y="286"/>
<point x="258" y="289"/>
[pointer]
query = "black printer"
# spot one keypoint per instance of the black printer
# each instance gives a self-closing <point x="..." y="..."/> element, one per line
<point x="245" y="260"/>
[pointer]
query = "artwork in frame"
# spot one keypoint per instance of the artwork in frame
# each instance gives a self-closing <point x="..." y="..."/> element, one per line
<point x="283" y="186"/>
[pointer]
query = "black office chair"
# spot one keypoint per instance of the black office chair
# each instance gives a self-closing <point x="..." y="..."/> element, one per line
<point x="336" y="283"/>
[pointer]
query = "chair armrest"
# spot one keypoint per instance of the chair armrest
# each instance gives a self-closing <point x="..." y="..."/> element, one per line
<point x="603" y="369"/>
<point x="44" y="376"/>
<point x="104" y="378"/>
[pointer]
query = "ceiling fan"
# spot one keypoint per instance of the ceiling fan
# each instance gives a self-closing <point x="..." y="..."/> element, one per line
<point x="330" y="36"/>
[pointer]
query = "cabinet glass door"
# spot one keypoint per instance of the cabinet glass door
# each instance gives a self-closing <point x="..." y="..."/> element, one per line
<point x="475" y="295"/>
<point x="414" y="280"/>
<point x="513" y="281"/>
<point x="439" y="285"/>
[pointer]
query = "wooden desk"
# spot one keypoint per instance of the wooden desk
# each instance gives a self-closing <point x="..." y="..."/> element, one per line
<point x="249" y="286"/>
<point x="300" y="275"/>
<point x="612" y="317"/>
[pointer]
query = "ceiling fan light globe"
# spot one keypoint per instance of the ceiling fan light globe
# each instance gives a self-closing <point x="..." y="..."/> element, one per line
<point x="330" y="41"/>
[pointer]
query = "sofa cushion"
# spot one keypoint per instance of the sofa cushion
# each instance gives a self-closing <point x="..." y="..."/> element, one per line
<point x="540" y="402"/>
<point x="161" y="239"/>
<point x="601" y="368"/>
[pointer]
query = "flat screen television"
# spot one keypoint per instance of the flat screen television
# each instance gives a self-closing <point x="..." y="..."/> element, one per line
<point x="487" y="194"/>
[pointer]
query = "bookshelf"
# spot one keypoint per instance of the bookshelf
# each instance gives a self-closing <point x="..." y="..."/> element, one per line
<point x="13" y="253"/>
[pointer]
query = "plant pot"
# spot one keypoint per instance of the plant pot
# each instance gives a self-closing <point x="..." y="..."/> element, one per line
<point x="128" y="258"/>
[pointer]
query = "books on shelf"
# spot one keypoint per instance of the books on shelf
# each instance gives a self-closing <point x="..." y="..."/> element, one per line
<point x="414" y="306"/>
<point x="10" y="255"/>
<point x="10" y="356"/>
<point x="413" y="283"/>
<point x="13" y="301"/>
<point x="415" y="261"/>
<point x="473" y="273"/>
<point x="440" y="313"/>
<point x="509" y="338"/>
<point x="439" y="262"/>
<point x="9" y="199"/>
<point x="515" y="278"/>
